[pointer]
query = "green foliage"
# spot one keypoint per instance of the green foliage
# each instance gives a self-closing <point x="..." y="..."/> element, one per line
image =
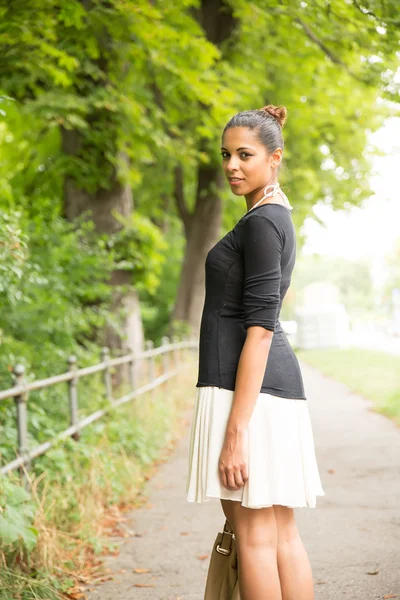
<point x="156" y="309"/>
<point x="98" y="81"/>
<point x="17" y="513"/>
<point x="112" y="82"/>
<point x="137" y="247"/>
<point x="53" y="300"/>
<point x="54" y="280"/>
<point x="31" y="174"/>
<point x="59" y="286"/>
<point x="12" y="256"/>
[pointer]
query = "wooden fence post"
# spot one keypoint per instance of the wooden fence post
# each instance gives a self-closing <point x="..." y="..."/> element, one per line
<point x="151" y="366"/>
<point x="165" y="362"/>
<point x="176" y="352"/>
<point x="22" y="419"/>
<point x="105" y="357"/>
<point x="73" y="397"/>
<point x="132" y="371"/>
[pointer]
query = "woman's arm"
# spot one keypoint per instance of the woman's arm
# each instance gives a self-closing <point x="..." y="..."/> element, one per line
<point x="249" y="377"/>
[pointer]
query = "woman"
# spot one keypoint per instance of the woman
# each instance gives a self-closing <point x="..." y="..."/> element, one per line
<point x="251" y="441"/>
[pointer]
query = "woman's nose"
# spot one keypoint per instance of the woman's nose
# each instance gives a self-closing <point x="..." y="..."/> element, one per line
<point x="232" y="164"/>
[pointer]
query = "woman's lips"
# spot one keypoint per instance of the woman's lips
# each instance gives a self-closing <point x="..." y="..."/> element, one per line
<point x="235" y="181"/>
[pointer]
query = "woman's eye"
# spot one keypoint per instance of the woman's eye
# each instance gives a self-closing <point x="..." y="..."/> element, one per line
<point x="243" y="155"/>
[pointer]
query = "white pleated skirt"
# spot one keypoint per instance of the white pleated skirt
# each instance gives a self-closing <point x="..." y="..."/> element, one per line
<point x="282" y="466"/>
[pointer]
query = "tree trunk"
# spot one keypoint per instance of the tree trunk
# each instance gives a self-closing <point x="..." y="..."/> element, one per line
<point x="203" y="225"/>
<point x="202" y="231"/>
<point x="101" y="204"/>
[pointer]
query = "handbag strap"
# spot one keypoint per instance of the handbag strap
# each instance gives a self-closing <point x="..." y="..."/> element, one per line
<point x="228" y="527"/>
<point x="225" y="545"/>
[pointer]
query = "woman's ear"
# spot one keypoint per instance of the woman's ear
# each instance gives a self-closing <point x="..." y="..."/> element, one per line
<point x="277" y="157"/>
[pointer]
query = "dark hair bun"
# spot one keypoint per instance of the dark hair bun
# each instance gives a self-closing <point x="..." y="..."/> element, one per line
<point x="279" y="112"/>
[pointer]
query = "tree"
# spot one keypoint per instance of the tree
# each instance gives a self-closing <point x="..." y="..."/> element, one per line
<point x="89" y="68"/>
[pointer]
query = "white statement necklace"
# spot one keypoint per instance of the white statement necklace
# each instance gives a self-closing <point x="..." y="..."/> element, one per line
<point x="276" y="189"/>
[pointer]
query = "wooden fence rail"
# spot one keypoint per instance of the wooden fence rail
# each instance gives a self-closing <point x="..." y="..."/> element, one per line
<point x="21" y="389"/>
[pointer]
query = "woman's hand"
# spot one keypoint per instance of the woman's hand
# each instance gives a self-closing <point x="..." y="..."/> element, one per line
<point x="233" y="460"/>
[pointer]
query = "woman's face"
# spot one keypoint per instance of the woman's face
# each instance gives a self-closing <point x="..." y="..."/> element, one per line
<point x="247" y="165"/>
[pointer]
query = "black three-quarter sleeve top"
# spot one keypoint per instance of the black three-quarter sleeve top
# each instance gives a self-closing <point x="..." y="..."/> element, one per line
<point x="247" y="274"/>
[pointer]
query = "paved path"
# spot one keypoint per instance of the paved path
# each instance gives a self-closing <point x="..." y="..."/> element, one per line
<point x="352" y="537"/>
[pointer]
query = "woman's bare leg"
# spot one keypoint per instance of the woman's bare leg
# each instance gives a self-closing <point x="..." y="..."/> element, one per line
<point x="294" y="567"/>
<point x="256" y="542"/>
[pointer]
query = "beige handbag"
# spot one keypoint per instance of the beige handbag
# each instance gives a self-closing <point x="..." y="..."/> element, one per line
<point x="222" y="577"/>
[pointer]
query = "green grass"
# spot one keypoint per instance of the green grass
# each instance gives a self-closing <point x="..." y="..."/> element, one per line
<point x="13" y="584"/>
<point x="372" y="374"/>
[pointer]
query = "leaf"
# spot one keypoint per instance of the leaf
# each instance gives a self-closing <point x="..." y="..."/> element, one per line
<point x="9" y="533"/>
<point x="139" y="570"/>
<point x="19" y="496"/>
<point x="75" y="593"/>
<point x="30" y="537"/>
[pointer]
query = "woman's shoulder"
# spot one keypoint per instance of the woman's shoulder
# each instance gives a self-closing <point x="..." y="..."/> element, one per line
<point x="265" y="216"/>
<point x="265" y="225"/>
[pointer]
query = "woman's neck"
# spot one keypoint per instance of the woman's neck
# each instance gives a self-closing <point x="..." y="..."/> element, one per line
<point x="269" y="192"/>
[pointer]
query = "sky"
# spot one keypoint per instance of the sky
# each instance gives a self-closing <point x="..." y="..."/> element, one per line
<point x="369" y="231"/>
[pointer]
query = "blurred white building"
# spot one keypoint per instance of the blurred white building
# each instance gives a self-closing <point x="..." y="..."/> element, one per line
<point x="322" y="320"/>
